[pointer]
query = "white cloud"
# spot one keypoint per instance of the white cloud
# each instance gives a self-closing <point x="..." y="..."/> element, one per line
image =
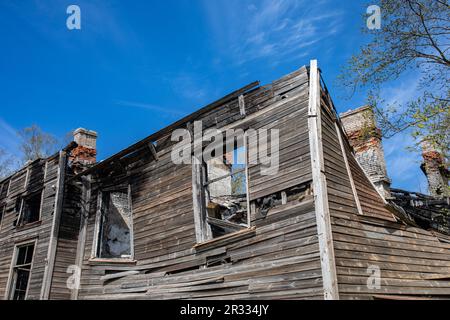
<point x="9" y="139"/>
<point x="401" y="91"/>
<point x="151" y="107"/>
<point x="403" y="164"/>
<point x="281" y="29"/>
<point x="190" y="86"/>
<point x="100" y="20"/>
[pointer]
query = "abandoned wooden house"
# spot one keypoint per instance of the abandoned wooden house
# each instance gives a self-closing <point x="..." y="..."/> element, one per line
<point x="139" y="226"/>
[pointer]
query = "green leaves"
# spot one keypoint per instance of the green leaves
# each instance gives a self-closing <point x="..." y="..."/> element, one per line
<point x="415" y="36"/>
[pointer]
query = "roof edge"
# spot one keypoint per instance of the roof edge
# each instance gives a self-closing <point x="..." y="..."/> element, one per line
<point x="169" y="128"/>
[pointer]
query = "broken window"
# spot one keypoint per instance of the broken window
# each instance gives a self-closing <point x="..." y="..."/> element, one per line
<point x="21" y="270"/>
<point x="31" y="209"/>
<point x="114" y="225"/>
<point x="225" y="189"/>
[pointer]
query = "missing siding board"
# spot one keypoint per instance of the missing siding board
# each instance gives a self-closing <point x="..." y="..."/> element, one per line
<point x="182" y="270"/>
<point x="295" y="194"/>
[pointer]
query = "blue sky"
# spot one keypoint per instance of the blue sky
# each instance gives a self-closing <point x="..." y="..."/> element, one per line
<point x="137" y="66"/>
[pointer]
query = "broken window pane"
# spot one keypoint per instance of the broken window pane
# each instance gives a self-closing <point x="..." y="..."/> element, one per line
<point x="31" y="209"/>
<point x="115" y="229"/>
<point x="226" y="192"/>
<point x="21" y="272"/>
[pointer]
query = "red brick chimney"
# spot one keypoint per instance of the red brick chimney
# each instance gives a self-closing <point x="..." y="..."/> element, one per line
<point x="85" y="154"/>
<point x="436" y="171"/>
<point x="365" y="138"/>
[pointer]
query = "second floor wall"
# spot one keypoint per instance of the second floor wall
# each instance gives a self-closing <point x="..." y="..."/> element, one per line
<point x="170" y="221"/>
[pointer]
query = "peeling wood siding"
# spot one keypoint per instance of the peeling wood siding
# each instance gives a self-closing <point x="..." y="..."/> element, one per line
<point x="406" y="255"/>
<point x="10" y="235"/>
<point x="279" y="259"/>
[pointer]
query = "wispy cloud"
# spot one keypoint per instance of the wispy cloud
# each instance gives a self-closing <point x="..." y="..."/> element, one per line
<point x="398" y="93"/>
<point x="151" y="107"/>
<point x="279" y="29"/>
<point x="194" y="86"/>
<point x="9" y="139"/>
<point x="403" y="164"/>
<point x="99" y="21"/>
<point x="402" y="161"/>
<point x="190" y="87"/>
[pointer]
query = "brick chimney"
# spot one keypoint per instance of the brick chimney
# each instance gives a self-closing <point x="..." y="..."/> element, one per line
<point x="437" y="173"/>
<point x="365" y="138"/>
<point x="84" y="155"/>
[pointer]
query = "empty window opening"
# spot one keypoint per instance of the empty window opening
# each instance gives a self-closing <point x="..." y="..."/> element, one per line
<point x="292" y="195"/>
<point x="21" y="271"/>
<point x="31" y="209"/>
<point x="226" y="192"/>
<point x="115" y="226"/>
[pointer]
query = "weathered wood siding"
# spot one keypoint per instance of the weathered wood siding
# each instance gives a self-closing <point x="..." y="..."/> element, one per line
<point x="66" y="249"/>
<point x="409" y="258"/>
<point x="26" y="181"/>
<point x="279" y="258"/>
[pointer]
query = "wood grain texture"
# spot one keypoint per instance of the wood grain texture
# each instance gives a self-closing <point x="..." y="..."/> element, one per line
<point x="409" y="258"/>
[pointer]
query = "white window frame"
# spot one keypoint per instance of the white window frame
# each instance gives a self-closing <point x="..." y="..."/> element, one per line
<point x="98" y="217"/>
<point x="11" y="283"/>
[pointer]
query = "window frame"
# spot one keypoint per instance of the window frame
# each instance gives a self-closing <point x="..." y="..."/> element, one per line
<point x="9" y="293"/>
<point x="97" y="227"/>
<point x="199" y="180"/>
<point x="22" y="207"/>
